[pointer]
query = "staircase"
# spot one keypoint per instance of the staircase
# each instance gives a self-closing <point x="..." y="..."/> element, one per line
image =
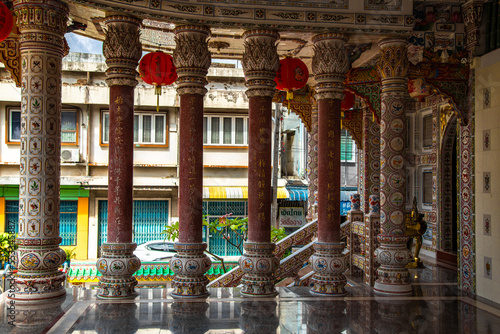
<point x="294" y="268"/>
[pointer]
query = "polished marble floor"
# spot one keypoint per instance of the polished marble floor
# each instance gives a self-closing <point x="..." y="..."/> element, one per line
<point x="435" y="307"/>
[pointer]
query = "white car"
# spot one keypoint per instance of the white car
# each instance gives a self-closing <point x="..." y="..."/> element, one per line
<point x="159" y="250"/>
<point x="155" y="250"/>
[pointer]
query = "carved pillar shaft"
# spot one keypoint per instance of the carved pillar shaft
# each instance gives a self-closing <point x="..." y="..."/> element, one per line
<point x="117" y="264"/>
<point x="312" y="164"/>
<point x="393" y="255"/>
<point x="192" y="59"/>
<point x="42" y="26"/>
<point x="330" y="65"/>
<point x="370" y="159"/>
<point x="260" y="64"/>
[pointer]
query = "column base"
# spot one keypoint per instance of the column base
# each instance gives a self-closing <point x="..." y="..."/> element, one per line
<point x="329" y="264"/>
<point x="259" y="265"/>
<point x="117" y="265"/>
<point x="190" y="265"/>
<point x="32" y="289"/>
<point x="393" y="256"/>
<point x="38" y="278"/>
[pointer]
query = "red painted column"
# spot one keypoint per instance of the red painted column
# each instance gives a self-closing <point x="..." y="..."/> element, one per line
<point x="329" y="170"/>
<point x="330" y="65"/>
<point x="192" y="60"/>
<point x="260" y="64"/>
<point x="191" y="168"/>
<point x="259" y="169"/>
<point x="118" y="263"/>
<point x="121" y="159"/>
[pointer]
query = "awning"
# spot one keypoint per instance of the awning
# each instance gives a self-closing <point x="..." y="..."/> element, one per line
<point x="297" y="193"/>
<point x="234" y="192"/>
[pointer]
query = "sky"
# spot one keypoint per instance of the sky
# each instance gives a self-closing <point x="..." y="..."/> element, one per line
<point x="83" y="44"/>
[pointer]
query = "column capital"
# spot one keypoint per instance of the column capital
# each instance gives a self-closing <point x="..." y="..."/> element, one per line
<point x="122" y="49"/>
<point x="260" y="62"/>
<point x="393" y="62"/>
<point x="35" y="28"/>
<point x="192" y="58"/>
<point x="329" y="65"/>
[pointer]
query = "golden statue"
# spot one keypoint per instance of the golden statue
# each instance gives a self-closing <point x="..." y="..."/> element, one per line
<point x="415" y="228"/>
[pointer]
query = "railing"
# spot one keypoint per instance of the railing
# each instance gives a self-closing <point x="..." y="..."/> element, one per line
<point x="300" y="237"/>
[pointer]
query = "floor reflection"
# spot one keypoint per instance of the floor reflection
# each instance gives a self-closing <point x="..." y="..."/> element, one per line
<point x="435" y="307"/>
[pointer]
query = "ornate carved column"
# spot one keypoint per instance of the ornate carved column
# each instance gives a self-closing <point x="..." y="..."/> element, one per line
<point x="393" y="255"/>
<point x="472" y="14"/>
<point x="312" y="163"/>
<point x="42" y="26"/>
<point x="122" y="50"/>
<point x="330" y="65"/>
<point x="192" y="59"/>
<point x="370" y="159"/>
<point x="260" y="64"/>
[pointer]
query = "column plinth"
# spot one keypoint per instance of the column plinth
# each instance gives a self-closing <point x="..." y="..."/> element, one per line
<point x="118" y="263"/>
<point x="42" y="26"/>
<point x="330" y="65"/>
<point x="260" y="64"/>
<point x="192" y="60"/>
<point x="393" y="255"/>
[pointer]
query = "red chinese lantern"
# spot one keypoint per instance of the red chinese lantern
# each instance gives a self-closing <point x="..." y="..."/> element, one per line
<point x="6" y="21"/>
<point x="157" y="68"/>
<point x="347" y="101"/>
<point x="292" y="75"/>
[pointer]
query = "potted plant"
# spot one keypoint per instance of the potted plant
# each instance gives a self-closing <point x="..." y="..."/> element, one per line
<point x="70" y="254"/>
<point x="7" y="246"/>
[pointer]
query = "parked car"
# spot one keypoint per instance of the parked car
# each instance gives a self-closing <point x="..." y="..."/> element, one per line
<point x="158" y="250"/>
<point x="155" y="250"/>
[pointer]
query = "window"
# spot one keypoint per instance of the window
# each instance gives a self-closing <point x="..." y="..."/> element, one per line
<point x="69" y="126"/>
<point x="67" y="220"/>
<point x="427" y="187"/>
<point x="346" y="147"/>
<point x="427" y="131"/>
<point x="225" y="130"/>
<point x="149" y="128"/>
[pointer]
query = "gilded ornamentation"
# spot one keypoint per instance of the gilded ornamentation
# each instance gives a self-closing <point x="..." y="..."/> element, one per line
<point x="353" y="122"/>
<point x="10" y="56"/>
<point x="260" y="59"/>
<point x="393" y="62"/>
<point x="122" y="49"/>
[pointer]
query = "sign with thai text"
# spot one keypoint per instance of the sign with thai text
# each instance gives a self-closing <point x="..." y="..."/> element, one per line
<point x="292" y="217"/>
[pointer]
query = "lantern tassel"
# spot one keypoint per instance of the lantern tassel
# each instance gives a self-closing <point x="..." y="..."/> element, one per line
<point x="289" y="96"/>
<point x="341" y="118"/>
<point x="158" y="93"/>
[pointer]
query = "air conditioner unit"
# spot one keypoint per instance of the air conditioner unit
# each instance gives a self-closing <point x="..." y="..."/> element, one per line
<point x="70" y="155"/>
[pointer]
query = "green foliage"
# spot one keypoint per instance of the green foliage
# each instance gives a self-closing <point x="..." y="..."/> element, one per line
<point x="277" y="234"/>
<point x="171" y="232"/>
<point x="7" y="245"/>
<point x="70" y="253"/>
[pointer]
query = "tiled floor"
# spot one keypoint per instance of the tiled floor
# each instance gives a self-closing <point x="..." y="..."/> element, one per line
<point x="435" y="307"/>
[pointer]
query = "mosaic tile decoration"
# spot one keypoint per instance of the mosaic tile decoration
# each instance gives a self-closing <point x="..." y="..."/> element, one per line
<point x="488" y="270"/>
<point x="486" y="140"/>
<point x="486" y="224"/>
<point x="486" y="97"/>
<point x="487" y="182"/>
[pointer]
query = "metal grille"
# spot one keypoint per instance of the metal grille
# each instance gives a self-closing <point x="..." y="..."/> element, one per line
<point x="149" y="219"/>
<point x="67" y="220"/>
<point x="12" y="216"/>
<point x="215" y="209"/>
